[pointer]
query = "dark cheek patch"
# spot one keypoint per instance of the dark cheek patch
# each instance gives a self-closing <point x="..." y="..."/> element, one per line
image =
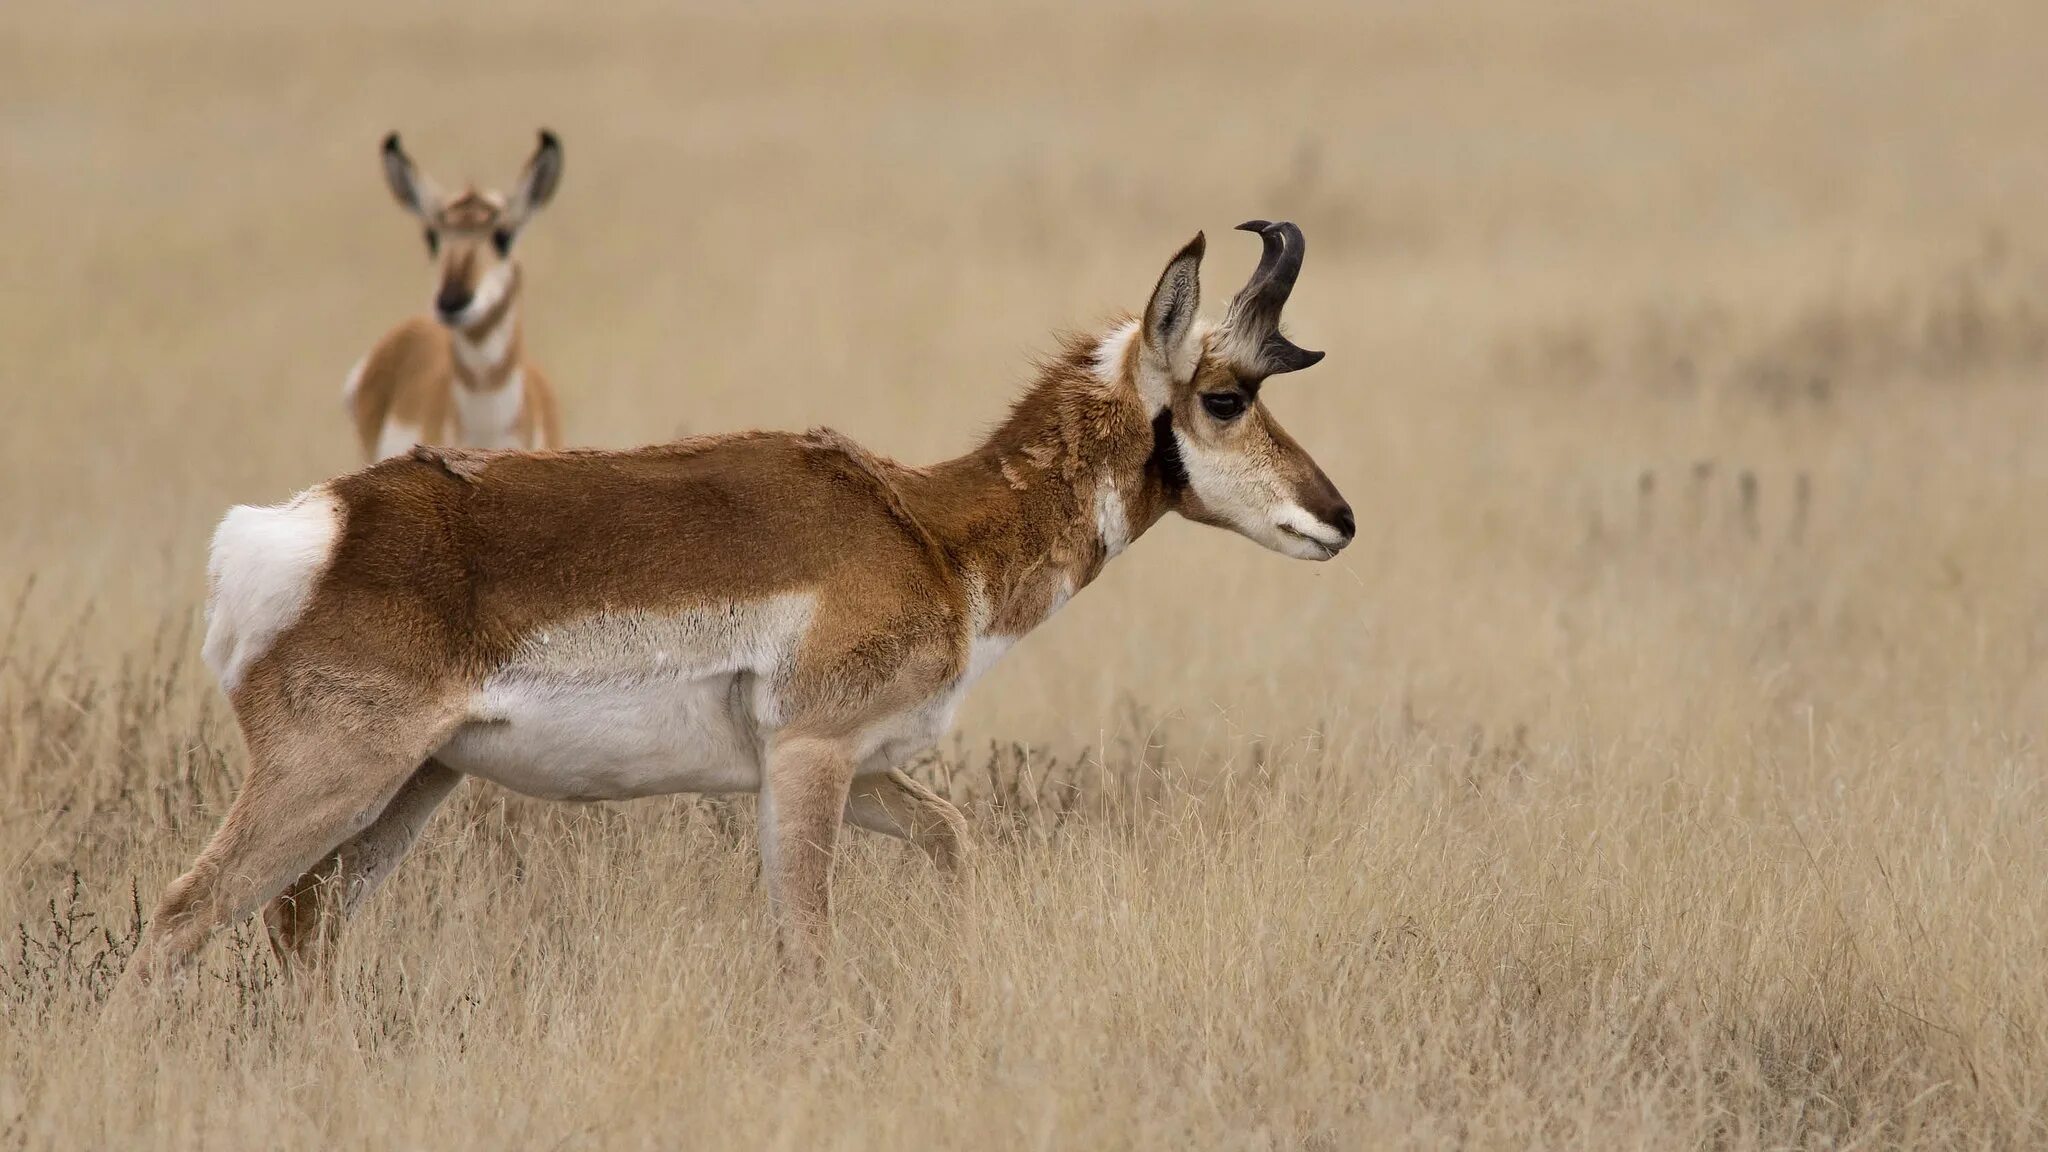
<point x="1165" y="460"/>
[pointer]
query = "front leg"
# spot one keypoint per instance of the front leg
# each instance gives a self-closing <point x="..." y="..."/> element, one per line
<point x="895" y="805"/>
<point x="803" y="793"/>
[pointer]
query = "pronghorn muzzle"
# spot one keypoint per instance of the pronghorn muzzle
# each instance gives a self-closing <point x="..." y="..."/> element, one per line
<point x="1244" y="471"/>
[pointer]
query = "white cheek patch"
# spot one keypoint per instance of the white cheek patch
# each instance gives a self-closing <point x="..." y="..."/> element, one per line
<point x="1256" y="503"/>
<point x="1227" y="486"/>
<point x="488" y="293"/>
<point x="261" y="571"/>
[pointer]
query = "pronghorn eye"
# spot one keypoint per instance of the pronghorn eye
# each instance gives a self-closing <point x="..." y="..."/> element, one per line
<point x="433" y="242"/>
<point x="1225" y="406"/>
<point x="502" y="240"/>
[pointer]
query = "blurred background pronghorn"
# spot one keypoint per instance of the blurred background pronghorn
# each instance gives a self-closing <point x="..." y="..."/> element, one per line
<point x="461" y="377"/>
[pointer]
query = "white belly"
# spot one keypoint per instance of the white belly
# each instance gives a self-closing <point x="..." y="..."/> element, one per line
<point x="611" y="739"/>
<point x="631" y="704"/>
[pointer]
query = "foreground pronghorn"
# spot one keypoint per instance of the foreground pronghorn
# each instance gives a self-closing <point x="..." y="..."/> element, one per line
<point x="464" y="379"/>
<point x="764" y="611"/>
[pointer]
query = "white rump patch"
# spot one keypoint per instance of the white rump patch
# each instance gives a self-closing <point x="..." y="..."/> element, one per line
<point x="263" y="567"/>
<point x="396" y="438"/>
<point x="489" y="418"/>
<point x="636" y="704"/>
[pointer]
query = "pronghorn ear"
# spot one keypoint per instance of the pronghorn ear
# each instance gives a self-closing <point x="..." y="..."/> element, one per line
<point x="538" y="182"/>
<point x="1170" y="316"/>
<point x="409" y="186"/>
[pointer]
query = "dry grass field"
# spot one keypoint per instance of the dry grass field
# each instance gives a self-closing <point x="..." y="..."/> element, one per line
<point x="1663" y="767"/>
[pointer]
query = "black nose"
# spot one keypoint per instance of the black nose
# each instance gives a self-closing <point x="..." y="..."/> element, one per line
<point x="451" y="302"/>
<point x="1343" y="521"/>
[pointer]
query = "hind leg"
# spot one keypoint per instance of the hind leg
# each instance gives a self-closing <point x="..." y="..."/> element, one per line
<point x="310" y="788"/>
<point x="306" y="919"/>
<point x="894" y="804"/>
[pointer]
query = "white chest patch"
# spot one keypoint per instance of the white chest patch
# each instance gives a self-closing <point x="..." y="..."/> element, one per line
<point x="490" y="419"/>
<point x="482" y="356"/>
<point x="261" y="570"/>
<point x="983" y="655"/>
<point x="396" y="438"/>
<point x="636" y="704"/>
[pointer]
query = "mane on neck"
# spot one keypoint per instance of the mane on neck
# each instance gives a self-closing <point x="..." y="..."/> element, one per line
<point x="1079" y="404"/>
<point x="1055" y="490"/>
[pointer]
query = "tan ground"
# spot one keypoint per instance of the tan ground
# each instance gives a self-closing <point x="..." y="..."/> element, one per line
<point x="1568" y="809"/>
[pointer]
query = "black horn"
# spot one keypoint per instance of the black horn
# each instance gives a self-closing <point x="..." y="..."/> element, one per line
<point x="1254" y="318"/>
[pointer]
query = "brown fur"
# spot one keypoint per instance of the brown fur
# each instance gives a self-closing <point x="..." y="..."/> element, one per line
<point x="410" y="378"/>
<point x="448" y="561"/>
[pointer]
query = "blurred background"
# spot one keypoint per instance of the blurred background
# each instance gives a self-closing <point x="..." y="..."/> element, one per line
<point x="1552" y="249"/>
<point x="1580" y="268"/>
<point x="1667" y="746"/>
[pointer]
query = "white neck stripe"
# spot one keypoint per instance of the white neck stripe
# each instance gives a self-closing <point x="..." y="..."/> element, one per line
<point x="480" y="356"/>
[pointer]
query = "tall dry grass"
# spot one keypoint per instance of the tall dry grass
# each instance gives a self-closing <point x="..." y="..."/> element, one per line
<point x="1662" y="767"/>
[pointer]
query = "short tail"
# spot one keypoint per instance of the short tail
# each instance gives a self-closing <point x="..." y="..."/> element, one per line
<point x="261" y="571"/>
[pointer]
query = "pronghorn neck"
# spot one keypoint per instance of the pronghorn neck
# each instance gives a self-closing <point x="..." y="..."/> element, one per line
<point x="1059" y="489"/>
<point x="488" y="349"/>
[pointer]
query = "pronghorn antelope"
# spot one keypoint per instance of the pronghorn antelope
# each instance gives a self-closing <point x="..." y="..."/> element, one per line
<point x="770" y="612"/>
<point x="463" y="377"/>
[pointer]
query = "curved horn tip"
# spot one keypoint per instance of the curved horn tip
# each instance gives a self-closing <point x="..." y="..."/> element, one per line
<point x="1283" y="355"/>
<point x="1255" y="226"/>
